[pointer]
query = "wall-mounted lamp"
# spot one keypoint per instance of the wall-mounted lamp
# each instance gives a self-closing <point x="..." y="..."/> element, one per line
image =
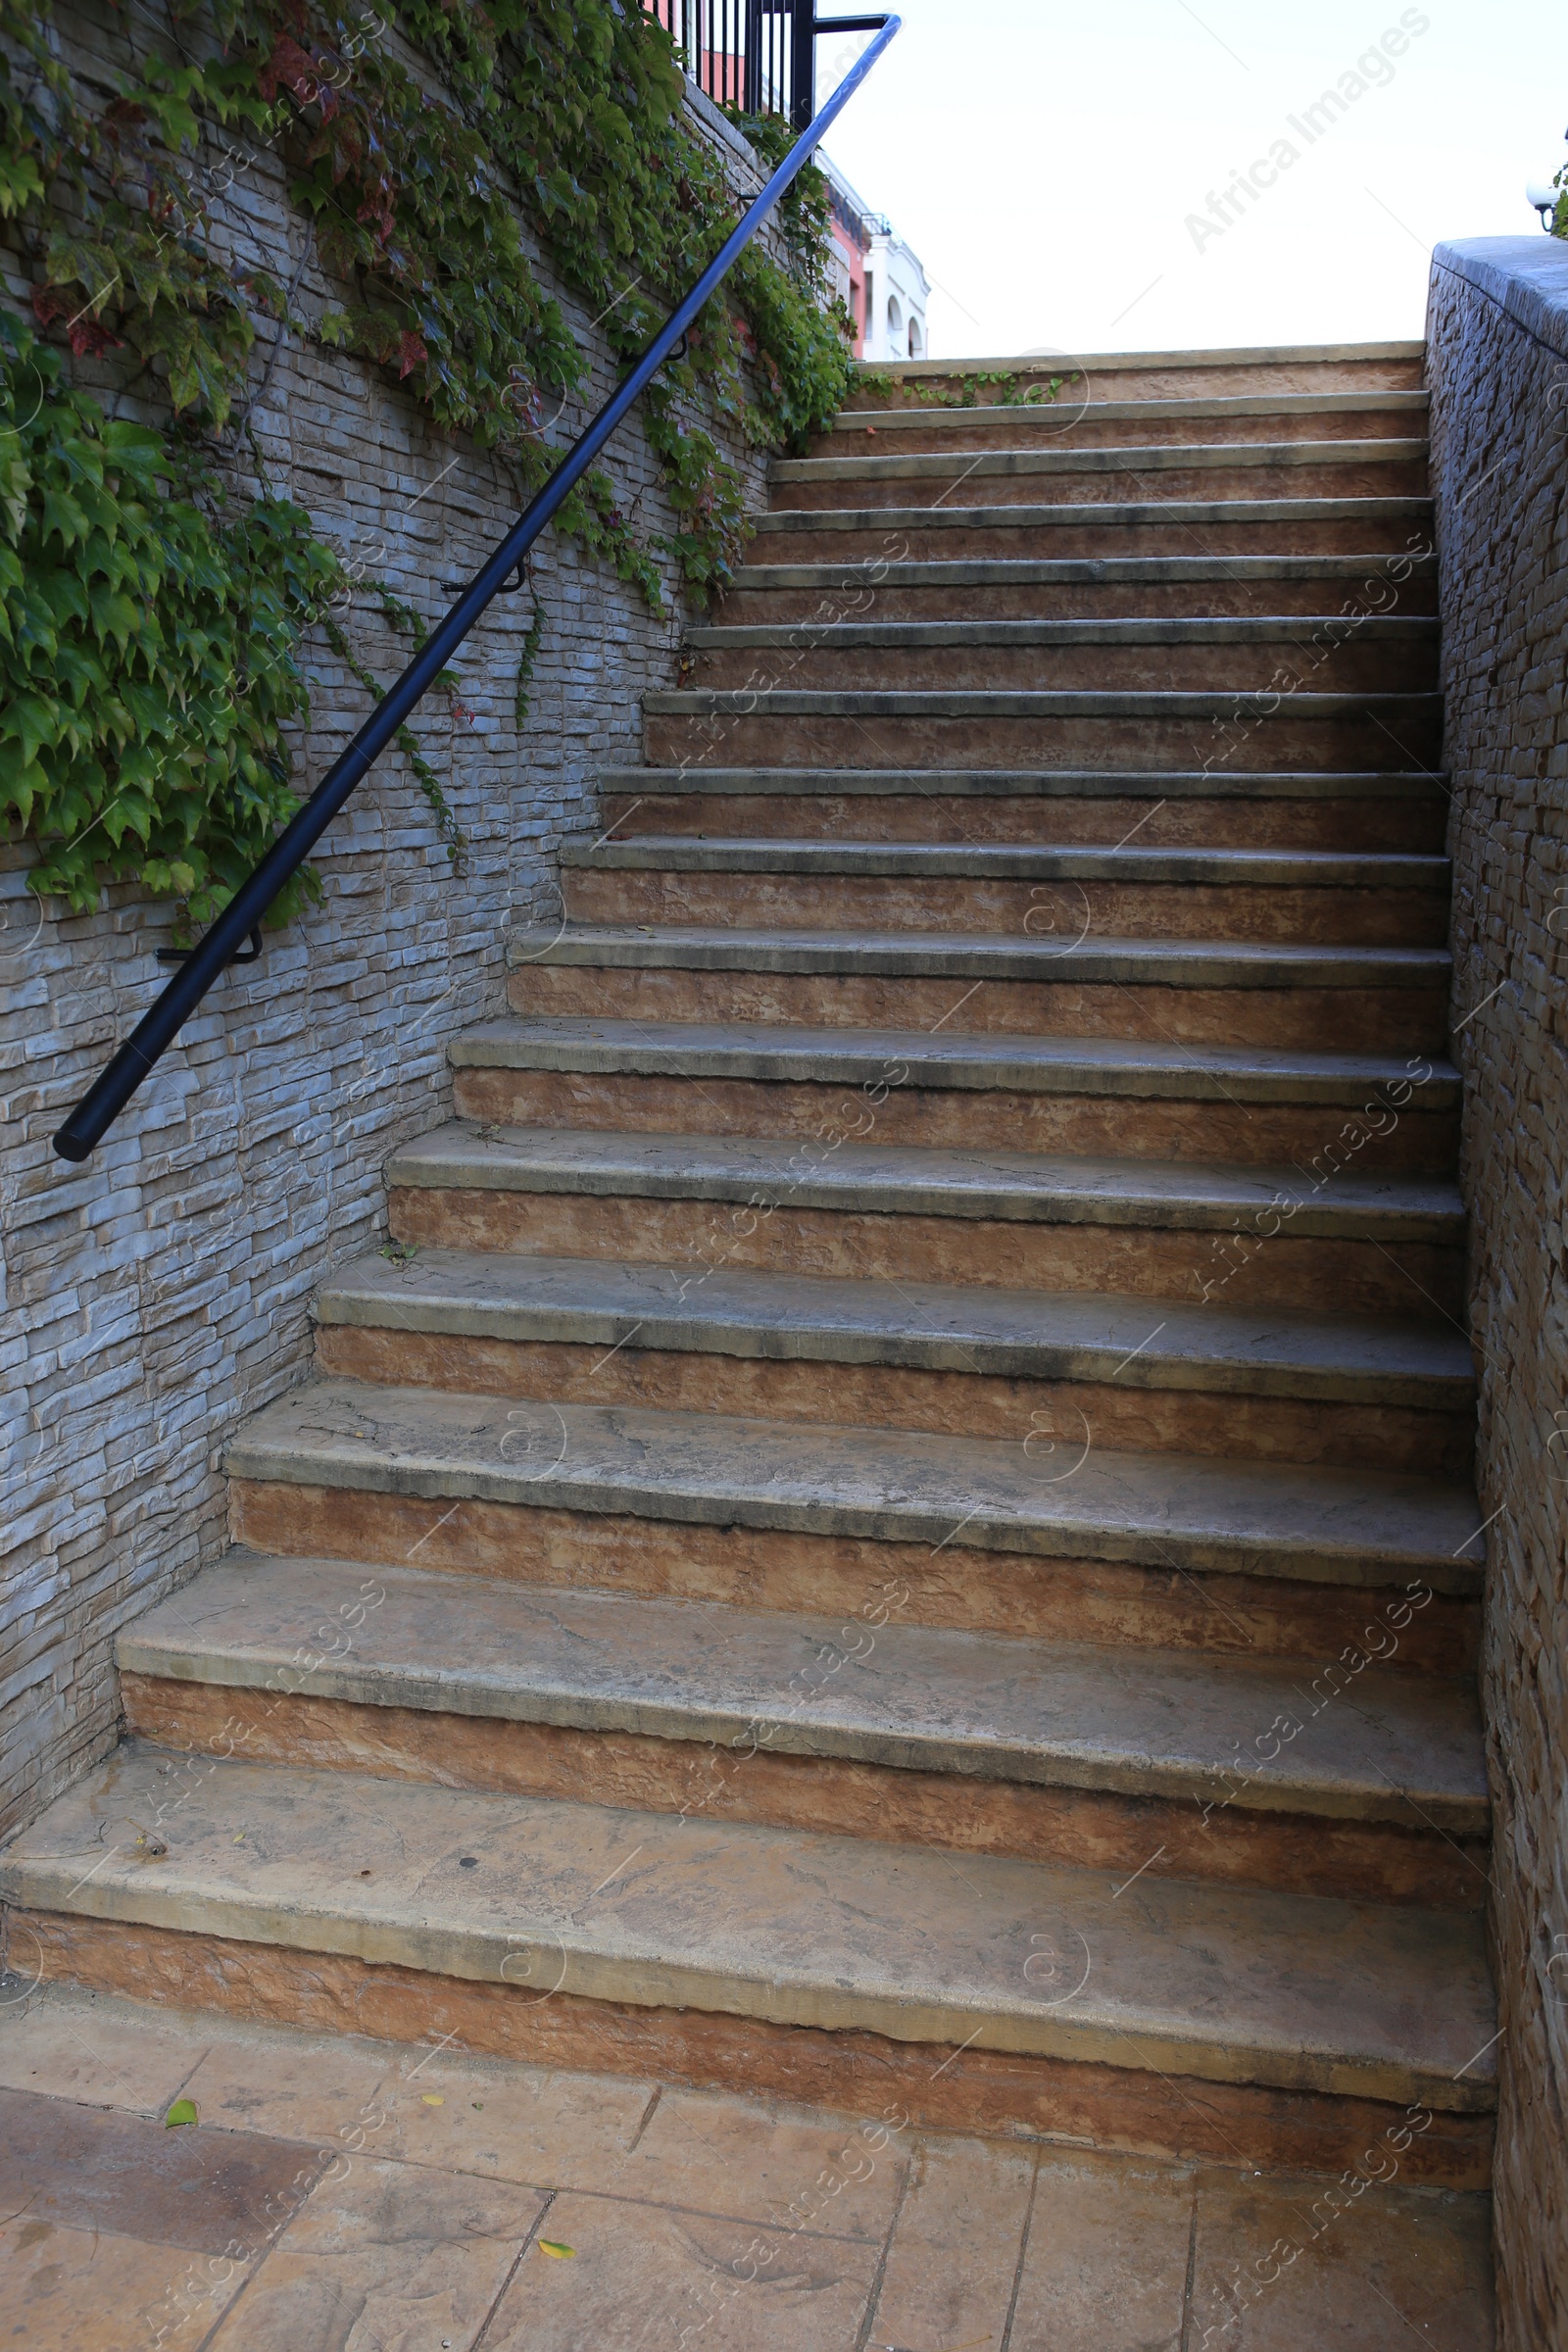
<point x="1542" y="194"/>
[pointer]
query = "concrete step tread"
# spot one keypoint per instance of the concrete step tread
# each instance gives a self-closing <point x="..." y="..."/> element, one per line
<point x="1095" y="513"/>
<point x="1229" y="703"/>
<point x="1052" y="1499"/>
<point x="1150" y="457"/>
<point x="1139" y="1722"/>
<point x="1139" y="363"/>
<point x="1288" y="868"/>
<point x="1069" y="407"/>
<point x="1226" y="628"/>
<point x="979" y="956"/>
<point x="1032" y="571"/>
<point x="892" y="1180"/>
<point x="785" y="1053"/>
<point x="1035" y="783"/>
<point x="949" y="1327"/>
<point x="799" y="1928"/>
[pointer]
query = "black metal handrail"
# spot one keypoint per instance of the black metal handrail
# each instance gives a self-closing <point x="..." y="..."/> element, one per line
<point x="162" y="1023"/>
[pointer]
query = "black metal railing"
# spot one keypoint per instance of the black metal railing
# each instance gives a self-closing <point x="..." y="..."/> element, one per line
<point x="157" y="1028"/>
<point x="757" y="55"/>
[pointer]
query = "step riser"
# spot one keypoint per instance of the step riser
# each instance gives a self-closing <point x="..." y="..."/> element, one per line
<point x="1316" y="660"/>
<point x="875" y="539"/>
<point x="956" y="1586"/>
<point x="1179" y="378"/>
<point x="1048" y="910"/>
<point x="852" y="2072"/>
<point x="1434" y="1444"/>
<point x="849" y="595"/>
<point x="1411" y="1280"/>
<point x="1067" y="422"/>
<point x="1406" y="738"/>
<point x="1415" y="827"/>
<point x="1376" y="477"/>
<point x="1403" y="1020"/>
<point x="706" y="1779"/>
<point x="1082" y="1126"/>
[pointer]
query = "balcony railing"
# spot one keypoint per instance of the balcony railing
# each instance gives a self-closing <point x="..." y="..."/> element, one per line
<point x="755" y="55"/>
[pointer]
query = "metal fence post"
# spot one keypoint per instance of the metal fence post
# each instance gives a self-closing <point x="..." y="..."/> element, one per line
<point x="803" y="63"/>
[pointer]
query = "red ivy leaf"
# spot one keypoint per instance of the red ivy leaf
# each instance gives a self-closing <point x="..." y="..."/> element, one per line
<point x="88" y="340"/>
<point x="300" y="74"/>
<point x="412" y="351"/>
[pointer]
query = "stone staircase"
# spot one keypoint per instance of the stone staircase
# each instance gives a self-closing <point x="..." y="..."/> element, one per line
<point x="892" y="1526"/>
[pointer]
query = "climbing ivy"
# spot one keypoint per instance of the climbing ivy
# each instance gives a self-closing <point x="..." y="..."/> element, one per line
<point x="981" y="387"/>
<point x="412" y="141"/>
<point x="148" y="636"/>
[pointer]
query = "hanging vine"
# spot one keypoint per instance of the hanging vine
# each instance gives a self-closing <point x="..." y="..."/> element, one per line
<point x="424" y="148"/>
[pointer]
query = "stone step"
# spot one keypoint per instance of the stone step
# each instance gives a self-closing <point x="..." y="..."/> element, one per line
<point x="505" y="1906"/>
<point x="1164" y="807"/>
<point x="1075" y="416"/>
<point x="1162" y="1374"/>
<point x="1081" y="1096"/>
<point x="1231" y="652"/>
<point x="1085" y="1098"/>
<point x="876" y="1212"/>
<point x="1280" y="370"/>
<point x="1130" y="587"/>
<point x="1072" y="727"/>
<point x="954" y="860"/>
<point x="1188" y="992"/>
<point x="1054" y="1539"/>
<point x="1249" y="524"/>
<point x="1368" y="898"/>
<point x="1052" y="1752"/>
<point x="1380" y="467"/>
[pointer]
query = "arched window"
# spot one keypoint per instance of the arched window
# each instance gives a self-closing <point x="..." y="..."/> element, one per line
<point x="916" y="339"/>
<point x="895" y="321"/>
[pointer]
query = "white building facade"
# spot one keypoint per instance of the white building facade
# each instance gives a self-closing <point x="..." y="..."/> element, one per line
<point x="879" y="279"/>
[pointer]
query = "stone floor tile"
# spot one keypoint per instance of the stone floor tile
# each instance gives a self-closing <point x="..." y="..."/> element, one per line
<point x="392" y="2256"/>
<point x="93" y="2290"/>
<point x="1104" y="2267"/>
<point x="1282" y="2265"/>
<point x="321" y="2089"/>
<point x="510" y="2122"/>
<point x="953" y="2260"/>
<point x="92" y="2168"/>
<point x="640" y="2279"/>
<point x="106" y="2053"/>
<point x="781" y="2168"/>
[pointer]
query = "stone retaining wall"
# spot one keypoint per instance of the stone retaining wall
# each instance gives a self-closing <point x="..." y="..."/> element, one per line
<point x="1498" y="368"/>
<point x="157" y="1295"/>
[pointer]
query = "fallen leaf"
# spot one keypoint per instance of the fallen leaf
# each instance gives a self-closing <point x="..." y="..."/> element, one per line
<point x="431" y="2098"/>
<point x="549" y="2245"/>
<point x="183" y="2111"/>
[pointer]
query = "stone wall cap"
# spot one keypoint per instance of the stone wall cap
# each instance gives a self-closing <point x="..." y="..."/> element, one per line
<point x="1526" y="276"/>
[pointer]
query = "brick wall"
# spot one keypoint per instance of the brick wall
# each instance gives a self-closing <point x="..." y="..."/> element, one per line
<point x="154" y="1296"/>
<point x="1498" y="369"/>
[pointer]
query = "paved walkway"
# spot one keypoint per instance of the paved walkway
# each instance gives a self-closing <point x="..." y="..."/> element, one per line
<point x="346" y="2195"/>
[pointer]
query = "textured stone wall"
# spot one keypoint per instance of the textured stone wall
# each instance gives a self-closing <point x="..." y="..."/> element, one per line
<point x="157" y="1295"/>
<point x="1498" y="369"/>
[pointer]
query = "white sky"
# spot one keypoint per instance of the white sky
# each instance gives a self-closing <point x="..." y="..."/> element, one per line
<point x="1042" y="159"/>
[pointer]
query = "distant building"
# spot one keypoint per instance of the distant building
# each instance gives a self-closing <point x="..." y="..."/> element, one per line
<point x="878" y="277"/>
